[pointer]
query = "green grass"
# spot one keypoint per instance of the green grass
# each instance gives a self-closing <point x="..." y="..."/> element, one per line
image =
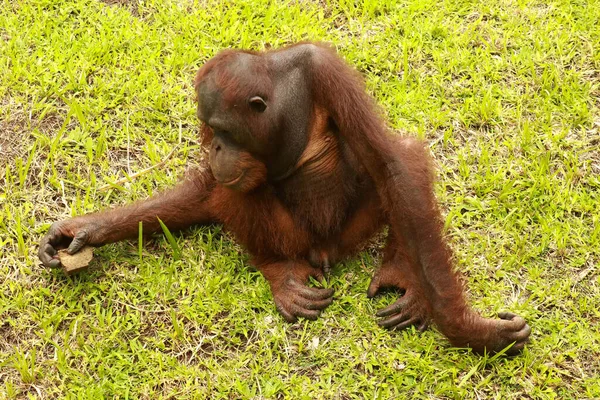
<point x="507" y="94"/>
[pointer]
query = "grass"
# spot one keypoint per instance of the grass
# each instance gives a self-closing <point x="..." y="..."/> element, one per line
<point x="91" y="92"/>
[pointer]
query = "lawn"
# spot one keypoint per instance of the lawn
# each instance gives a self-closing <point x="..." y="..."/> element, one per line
<point x="97" y="109"/>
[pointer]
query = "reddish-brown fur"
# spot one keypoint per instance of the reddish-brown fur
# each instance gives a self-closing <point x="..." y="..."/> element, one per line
<point x="351" y="179"/>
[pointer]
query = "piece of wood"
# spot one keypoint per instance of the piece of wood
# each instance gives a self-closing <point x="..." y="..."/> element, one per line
<point x="72" y="263"/>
